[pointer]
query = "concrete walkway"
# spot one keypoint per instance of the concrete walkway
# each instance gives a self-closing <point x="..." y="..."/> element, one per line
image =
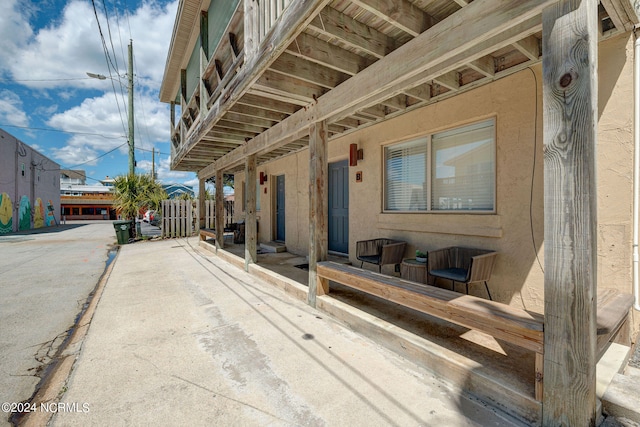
<point x="180" y="337"/>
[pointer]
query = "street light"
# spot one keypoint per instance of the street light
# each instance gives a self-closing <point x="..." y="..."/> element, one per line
<point x="132" y="161"/>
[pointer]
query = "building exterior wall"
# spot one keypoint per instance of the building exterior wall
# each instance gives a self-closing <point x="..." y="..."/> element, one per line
<point x="29" y="183"/>
<point x="516" y="229"/>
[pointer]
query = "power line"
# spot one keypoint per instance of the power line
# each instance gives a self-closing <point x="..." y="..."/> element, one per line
<point x="63" y="131"/>
<point x="90" y="160"/>
<point x="44" y="80"/>
<point x="108" y="60"/>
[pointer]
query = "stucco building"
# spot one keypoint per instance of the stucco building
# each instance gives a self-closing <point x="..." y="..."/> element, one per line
<point x="29" y="187"/>
<point x="498" y="125"/>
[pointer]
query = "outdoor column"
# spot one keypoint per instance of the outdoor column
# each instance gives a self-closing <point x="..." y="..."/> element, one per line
<point x="219" y="210"/>
<point x="318" y="204"/>
<point x="201" y="203"/>
<point x="570" y="36"/>
<point x="250" y="228"/>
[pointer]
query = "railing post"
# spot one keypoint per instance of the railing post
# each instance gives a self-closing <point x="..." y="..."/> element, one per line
<point x="251" y="29"/>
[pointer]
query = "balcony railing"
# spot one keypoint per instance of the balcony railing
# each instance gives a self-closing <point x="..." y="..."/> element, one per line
<point x="260" y="16"/>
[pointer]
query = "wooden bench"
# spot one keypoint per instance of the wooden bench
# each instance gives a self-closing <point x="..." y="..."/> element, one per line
<point x="206" y="233"/>
<point x="504" y="322"/>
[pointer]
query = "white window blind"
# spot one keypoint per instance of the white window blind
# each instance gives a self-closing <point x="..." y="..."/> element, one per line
<point x="447" y="171"/>
<point x="405" y="166"/>
<point x="463" y="168"/>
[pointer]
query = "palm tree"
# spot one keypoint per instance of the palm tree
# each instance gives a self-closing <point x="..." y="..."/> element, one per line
<point x="134" y="192"/>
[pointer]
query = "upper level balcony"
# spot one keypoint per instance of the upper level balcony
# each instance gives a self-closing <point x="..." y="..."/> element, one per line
<point x="249" y="76"/>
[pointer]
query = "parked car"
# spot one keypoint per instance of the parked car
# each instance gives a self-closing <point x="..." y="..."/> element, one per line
<point x="149" y="216"/>
<point x="156" y="220"/>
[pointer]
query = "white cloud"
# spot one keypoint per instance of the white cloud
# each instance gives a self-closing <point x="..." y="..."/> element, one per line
<point x="15" y="31"/>
<point x="163" y="172"/>
<point x="11" y="109"/>
<point x="72" y="46"/>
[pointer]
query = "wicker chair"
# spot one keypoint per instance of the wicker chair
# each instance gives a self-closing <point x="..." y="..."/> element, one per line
<point x="380" y="252"/>
<point x="463" y="265"/>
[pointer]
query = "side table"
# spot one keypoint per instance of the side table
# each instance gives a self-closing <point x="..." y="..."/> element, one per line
<point x="413" y="270"/>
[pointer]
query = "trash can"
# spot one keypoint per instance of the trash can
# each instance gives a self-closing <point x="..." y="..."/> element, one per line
<point x="123" y="228"/>
<point x="138" y="229"/>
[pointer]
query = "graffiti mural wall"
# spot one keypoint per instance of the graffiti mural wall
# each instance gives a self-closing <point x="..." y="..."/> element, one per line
<point x="24" y="214"/>
<point x="38" y="214"/>
<point x="6" y="214"/>
<point x="50" y="218"/>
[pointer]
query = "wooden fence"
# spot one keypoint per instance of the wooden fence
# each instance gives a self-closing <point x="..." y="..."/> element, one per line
<point x="210" y="213"/>
<point x="180" y="218"/>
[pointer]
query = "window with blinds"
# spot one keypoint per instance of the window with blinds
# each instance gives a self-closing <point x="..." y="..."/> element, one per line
<point x="447" y="171"/>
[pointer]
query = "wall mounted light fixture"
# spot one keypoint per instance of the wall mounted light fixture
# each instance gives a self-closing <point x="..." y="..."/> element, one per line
<point x="355" y="154"/>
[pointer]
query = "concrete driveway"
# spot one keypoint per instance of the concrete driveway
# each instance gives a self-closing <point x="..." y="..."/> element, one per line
<point x="46" y="277"/>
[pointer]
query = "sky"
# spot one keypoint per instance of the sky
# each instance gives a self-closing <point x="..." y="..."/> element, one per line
<point x="48" y="102"/>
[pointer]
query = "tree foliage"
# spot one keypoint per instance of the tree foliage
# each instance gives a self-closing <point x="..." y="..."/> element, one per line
<point x="135" y="192"/>
<point x="228" y="180"/>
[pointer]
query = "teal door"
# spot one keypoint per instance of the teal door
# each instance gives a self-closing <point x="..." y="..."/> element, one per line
<point x="339" y="207"/>
<point x="280" y="202"/>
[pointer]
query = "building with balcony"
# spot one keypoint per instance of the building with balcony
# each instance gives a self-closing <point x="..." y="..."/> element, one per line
<point x="80" y="201"/>
<point x="499" y="125"/>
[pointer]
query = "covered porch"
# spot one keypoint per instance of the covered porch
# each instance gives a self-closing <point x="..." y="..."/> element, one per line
<point x="291" y="80"/>
<point x="468" y="361"/>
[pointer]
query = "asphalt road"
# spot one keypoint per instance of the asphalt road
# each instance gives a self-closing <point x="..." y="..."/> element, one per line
<point x="46" y="277"/>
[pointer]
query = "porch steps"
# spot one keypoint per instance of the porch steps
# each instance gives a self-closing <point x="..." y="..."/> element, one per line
<point x="622" y="398"/>
<point x="273" y="247"/>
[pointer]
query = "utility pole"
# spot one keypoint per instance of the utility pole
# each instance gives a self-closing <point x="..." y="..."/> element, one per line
<point x="153" y="164"/>
<point x="132" y="161"/>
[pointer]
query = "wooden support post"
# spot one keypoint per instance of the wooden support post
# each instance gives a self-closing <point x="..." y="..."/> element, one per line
<point x="250" y="225"/>
<point x="251" y="29"/>
<point x="202" y="198"/>
<point x="173" y="116"/>
<point x="318" y="206"/>
<point x="570" y="36"/>
<point x="219" y="211"/>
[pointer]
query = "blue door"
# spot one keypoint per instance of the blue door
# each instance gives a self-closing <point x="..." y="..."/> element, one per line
<point x="280" y="218"/>
<point x="339" y="207"/>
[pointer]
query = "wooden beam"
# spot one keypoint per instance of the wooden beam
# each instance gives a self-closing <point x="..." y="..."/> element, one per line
<point x="267" y="104"/>
<point x="257" y="112"/>
<point x="327" y="54"/>
<point x="450" y="80"/>
<point x="529" y="47"/>
<point x="570" y="63"/>
<point x="401" y="14"/>
<point x="619" y="14"/>
<point x="421" y="92"/>
<point x="332" y="23"/>
<point x="420" y="59"/>
<point x="219" y="210"/>
<point x="287" y="86"/>
<point x="248" y="120"/>
<point x="293" y="66"/>
<point x="250" y="226"/>
<point x="484" y="65"/>
<point x="318" y="204"/>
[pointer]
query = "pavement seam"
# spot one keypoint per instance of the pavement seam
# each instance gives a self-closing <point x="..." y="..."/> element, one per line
<point x="52" y="388"/>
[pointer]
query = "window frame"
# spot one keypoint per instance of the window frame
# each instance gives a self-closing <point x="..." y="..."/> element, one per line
<point x="428" y="172"/>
